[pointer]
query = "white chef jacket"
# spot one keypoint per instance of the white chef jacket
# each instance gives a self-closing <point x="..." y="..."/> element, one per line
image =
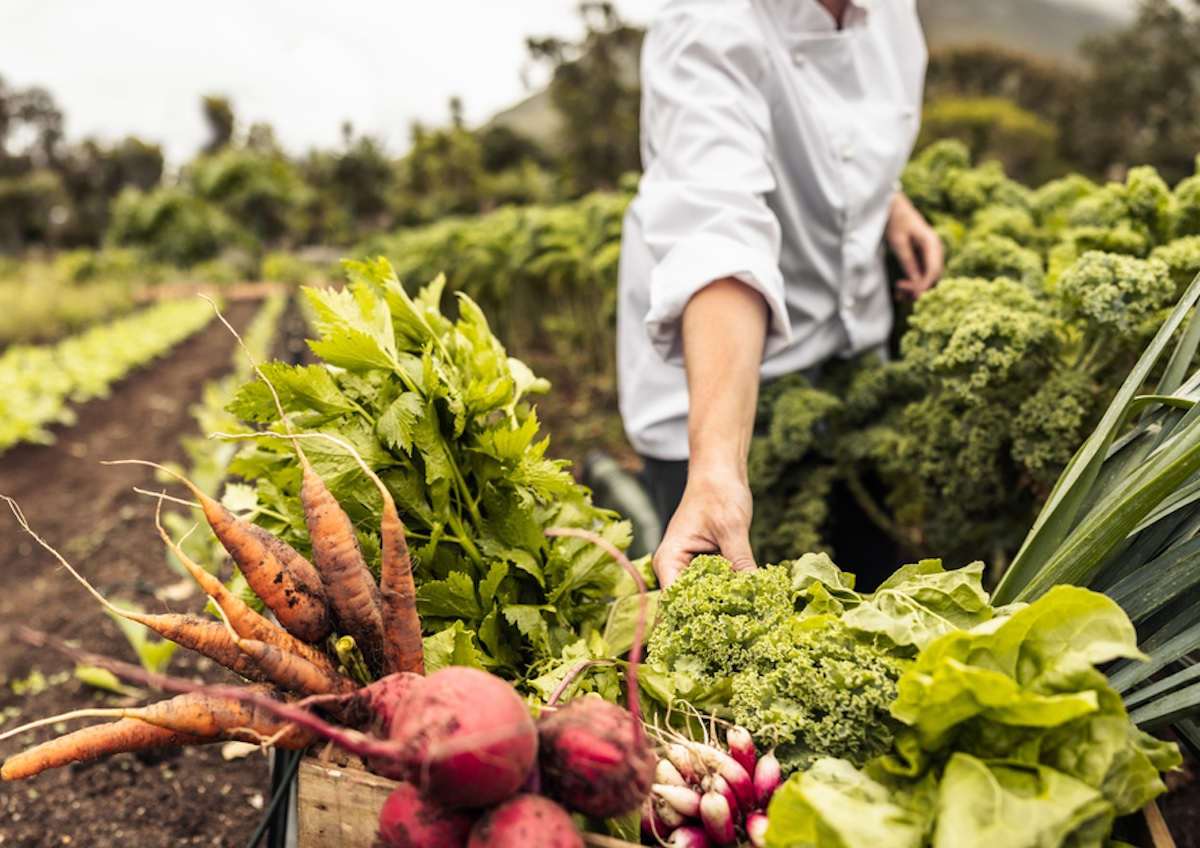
<point x="771" y="146"/>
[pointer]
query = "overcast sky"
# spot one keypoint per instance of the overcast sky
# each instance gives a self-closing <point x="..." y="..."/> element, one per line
<point x="140" y="67"/>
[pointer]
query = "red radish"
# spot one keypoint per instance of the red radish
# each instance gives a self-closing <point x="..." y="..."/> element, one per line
<point x="717" y="818"/>
<point x="408" y="820"/>
<point x="525" y="821"/>
<point x="768" y="774"/>
<point x="687" y="762"/>
<point x="716" y="783"/>
<point x="464" y="737"/>
<point x="689" y="836"/>
<point x="659" y="819"/>
<point x="666" y="773"/>
<point x="741" y="747"/>
<point x="756" y="829"/>
<point x="684" y="799"/>
<point x="595" y="758"/>
<point x="706" y="760"/>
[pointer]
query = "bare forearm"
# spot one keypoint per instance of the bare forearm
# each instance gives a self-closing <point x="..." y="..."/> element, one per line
<point x="724" y="328"/>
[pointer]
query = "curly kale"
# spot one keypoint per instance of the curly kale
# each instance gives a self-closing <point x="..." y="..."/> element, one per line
<point x="712" y="617"/>
<point x="809" y="683"/>
<point x="1187" y="205"/>
<point x="1117" y="296"/>
<point x="818" y="691"/>
<point x="973" y="334"/>
<point x="1052" y="201"/>
<point x="1052" y="423"/>
<point x="991" y="256"/>
<point x="1182" y="257"/>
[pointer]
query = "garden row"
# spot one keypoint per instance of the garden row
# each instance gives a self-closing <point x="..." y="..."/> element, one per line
<point x="38" y="384"/>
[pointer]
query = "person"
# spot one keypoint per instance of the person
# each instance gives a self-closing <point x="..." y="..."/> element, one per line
<point x="773" y="136"/>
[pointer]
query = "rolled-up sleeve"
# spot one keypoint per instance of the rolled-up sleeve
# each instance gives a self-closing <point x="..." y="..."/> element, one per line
<point x="707" y="146"/>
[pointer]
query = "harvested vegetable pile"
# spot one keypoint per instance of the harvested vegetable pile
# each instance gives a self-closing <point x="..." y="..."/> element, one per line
<point x="915" y="715"/>
<point x="323" y="624"/>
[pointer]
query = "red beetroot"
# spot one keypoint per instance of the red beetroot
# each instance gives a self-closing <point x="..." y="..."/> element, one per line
<point x="525" y="821"/>
<point x="408" y="820"/>
<point x="595" y="758"/>
<point x="464" y="737"/>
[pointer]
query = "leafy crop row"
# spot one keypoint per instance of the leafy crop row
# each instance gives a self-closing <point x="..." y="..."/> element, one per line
<point x="545" y="276"/>
<point x="38" y="383"/>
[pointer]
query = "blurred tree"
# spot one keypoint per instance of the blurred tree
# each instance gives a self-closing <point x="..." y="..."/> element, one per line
<point x="93" y="175"/>
<point x="32" y="209"/>
<point x="594" y="86"/>
<point x="442" y="174"/>
<point x="172" y="225"/>
<point x="966" y="87"/>
<point x="218" y="112"/>
<point x="31" y="129"/>
<point x="1141" y="101"/>
<point x="350" y="189"/>
<point x="993" y="128"/>
<point x="260" y="189"/>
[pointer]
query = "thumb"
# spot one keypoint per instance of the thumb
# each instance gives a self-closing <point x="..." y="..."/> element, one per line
<point x="740" y="557"/>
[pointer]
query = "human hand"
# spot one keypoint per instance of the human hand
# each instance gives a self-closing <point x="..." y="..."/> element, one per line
<point x="916" y="246"/>
<point x="713" y="517"/>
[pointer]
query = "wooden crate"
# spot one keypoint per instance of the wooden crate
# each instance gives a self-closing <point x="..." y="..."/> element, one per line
<point x="338" y="803"/>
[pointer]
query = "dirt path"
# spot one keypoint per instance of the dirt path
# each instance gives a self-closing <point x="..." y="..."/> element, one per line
<point x="91" y="514"/>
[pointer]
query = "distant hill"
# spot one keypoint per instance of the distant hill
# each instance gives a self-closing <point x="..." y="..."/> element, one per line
<point x="1051" y="29"/>
<point x="1048" y="29"/>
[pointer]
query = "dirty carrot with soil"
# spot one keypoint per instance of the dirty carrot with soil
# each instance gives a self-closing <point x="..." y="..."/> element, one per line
<point x="245" y="621"/>
<point x="353" y="595"/>
<point x="200" y="714"/>
<point x="287" y="582"/>
<point x="91" y="743"/>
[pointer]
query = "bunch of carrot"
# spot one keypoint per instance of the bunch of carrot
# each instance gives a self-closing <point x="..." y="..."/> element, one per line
<point x="288" y="653"/>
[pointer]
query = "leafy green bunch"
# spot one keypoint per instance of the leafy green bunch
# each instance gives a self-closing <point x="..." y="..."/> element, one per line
<point x="1007" y="734"/>
<point x="442" y="414"/>
<point x="795" y="655"/>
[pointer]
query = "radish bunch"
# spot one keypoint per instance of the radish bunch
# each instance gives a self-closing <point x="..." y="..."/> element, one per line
<point x="707" y="796"/>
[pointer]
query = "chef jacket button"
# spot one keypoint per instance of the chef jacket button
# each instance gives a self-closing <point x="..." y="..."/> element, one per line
<point x="847" y="154"/>
<point x="798" y="57"/>
<point x="848" y="301"/>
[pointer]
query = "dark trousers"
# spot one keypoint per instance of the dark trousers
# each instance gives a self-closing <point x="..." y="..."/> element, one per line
<point x="664" y="480"/>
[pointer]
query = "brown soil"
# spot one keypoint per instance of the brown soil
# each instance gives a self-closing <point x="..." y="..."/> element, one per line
<point x="91" y="514"/>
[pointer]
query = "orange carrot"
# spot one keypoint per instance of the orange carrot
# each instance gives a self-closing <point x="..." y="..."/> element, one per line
<point x="92" y="743"/>
<point x="389" y="639"/>
<point x="287" y="582"/>
<point x="349" y="585"/>
<point x="245" y="621"/>
<point x="294" y="673"/>
<point x="200" y="714"/>
<point x="403" y="649"/>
